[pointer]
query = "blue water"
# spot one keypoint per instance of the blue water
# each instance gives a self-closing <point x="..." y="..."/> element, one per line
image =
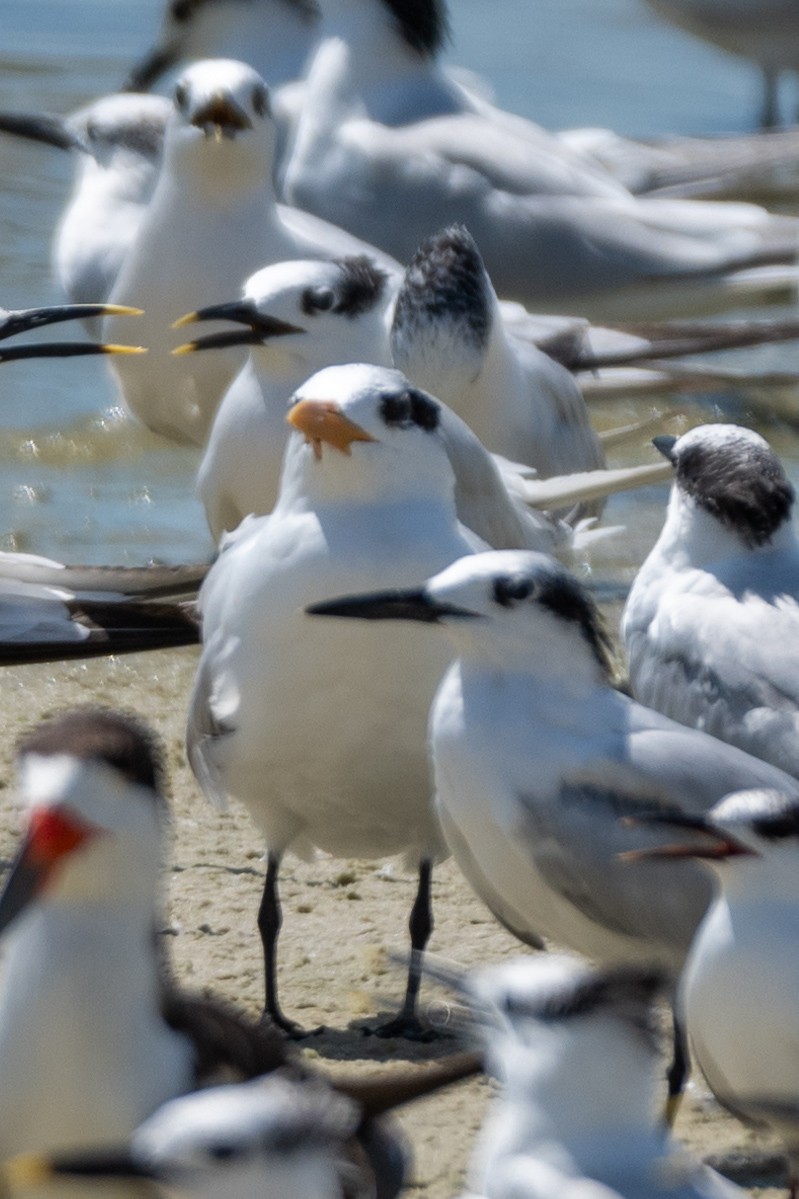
<point x="80" y="483"/>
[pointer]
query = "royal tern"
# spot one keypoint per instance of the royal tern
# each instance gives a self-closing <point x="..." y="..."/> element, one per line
<point x="553" y="232"/>
<point x="575" y="1051"/>
<point x="321" y="732"/>
<point x="536" y="756"/>
<point x="298" y="317"/>
<point x="211" y="217"/>
<point x="738" y="989"/>
<point x="712" y="618"/>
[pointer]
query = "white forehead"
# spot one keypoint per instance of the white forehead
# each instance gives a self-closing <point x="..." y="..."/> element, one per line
<point x="483" y="569"/>
<point x="720" y="437"/>
<point x="219" y="74"/>
<point x="536" y="980"/>
<point x="295" y="275"/>
<point x="356" y="380"/>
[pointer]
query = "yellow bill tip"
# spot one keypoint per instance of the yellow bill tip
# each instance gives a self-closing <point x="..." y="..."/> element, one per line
<point x="121" y="310"/>
<point x="25" y="1171"/>
<point x="188" y="347"/>
<point x="188" y="319"/>
<point x="111" y="348"/>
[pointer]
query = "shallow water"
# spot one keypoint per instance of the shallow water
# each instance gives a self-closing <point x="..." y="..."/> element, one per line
<point x="81" y="482"/>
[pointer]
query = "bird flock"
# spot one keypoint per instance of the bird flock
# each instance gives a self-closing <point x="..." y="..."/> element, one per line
<point x="378" y="307"/>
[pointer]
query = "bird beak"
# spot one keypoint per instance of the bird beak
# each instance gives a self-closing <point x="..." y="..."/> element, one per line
<point x="222" y="117"/>
<point x="21" y="320"/>
<point x="42" y="127"/>
<point x="27" y="1171"/>
<point x="53" y="833"/>
<point x="323" y="421"/>
<point x="411" y="604"/>
<point x="260" y="327"/>
<point x="65" y="349"/>
<point x="664" y="444"/>
<point x="715" y="845"/>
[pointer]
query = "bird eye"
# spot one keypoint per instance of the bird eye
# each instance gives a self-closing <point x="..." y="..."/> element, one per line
<point x="318" y="299"/>
<point x="181" y="96"/>
<point x="512" y="589"/>
<point x="260" y="100"/>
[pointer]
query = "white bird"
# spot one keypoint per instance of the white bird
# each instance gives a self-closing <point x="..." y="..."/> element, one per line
<point x="273" y="36"/>
<point x="739" y="986"/>
<point x="382" y="132"/>
<point x="764" y="31"/>
<point x="575" y="1051"/>
<point x="448" y="335"/>
<point x="299" y="317"/>
<point x="211" y="217"/>
<point x="116" y="142"/>
<point x="321" y="733"/>
<point x="711" y="623"/>
<point x="536" y="757"/>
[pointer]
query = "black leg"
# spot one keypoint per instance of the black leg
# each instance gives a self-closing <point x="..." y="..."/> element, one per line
<point x="406" y="1023"/>
<point x="269" y="921"/>
<point x="678" y="1071"/>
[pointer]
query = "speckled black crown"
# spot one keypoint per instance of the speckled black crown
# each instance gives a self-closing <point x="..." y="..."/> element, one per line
<point x="740" y="483"/>
<point x="446" y="280"/>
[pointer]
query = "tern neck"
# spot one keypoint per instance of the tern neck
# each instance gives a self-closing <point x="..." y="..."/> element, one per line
<point x="691" y="537"/>
<point x="585" y="1101"/>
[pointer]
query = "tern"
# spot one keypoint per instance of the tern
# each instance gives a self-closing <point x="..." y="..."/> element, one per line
<point x="322" y="733"/>
<point x="575" y="1051"/>
<point x="449" y="336"/>
<point x="296" y="318"/>
<point x="396" y="162"/>
<point x="211" y="217"/>
<point x="739" y="985"/>
<point x="712" y="618"/>
<point x="273" y="36"/>
<point x="536" y="756"/>
<point x="116" y="142"/>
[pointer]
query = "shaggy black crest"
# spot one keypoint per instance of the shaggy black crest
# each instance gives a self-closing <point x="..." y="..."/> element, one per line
<point x="628" y="991"/>
<point x="564" y="597"/>
<point x="446" y="279"/>
<point x="101" y="734"/>
<point x="741" y="484"/>
<point x="362" y="286"/>
<point x="411" y="407"/>
<point x="423" y="24"/>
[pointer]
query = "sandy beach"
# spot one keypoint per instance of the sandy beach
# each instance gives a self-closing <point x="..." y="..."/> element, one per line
<point x="343" y="920"/>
